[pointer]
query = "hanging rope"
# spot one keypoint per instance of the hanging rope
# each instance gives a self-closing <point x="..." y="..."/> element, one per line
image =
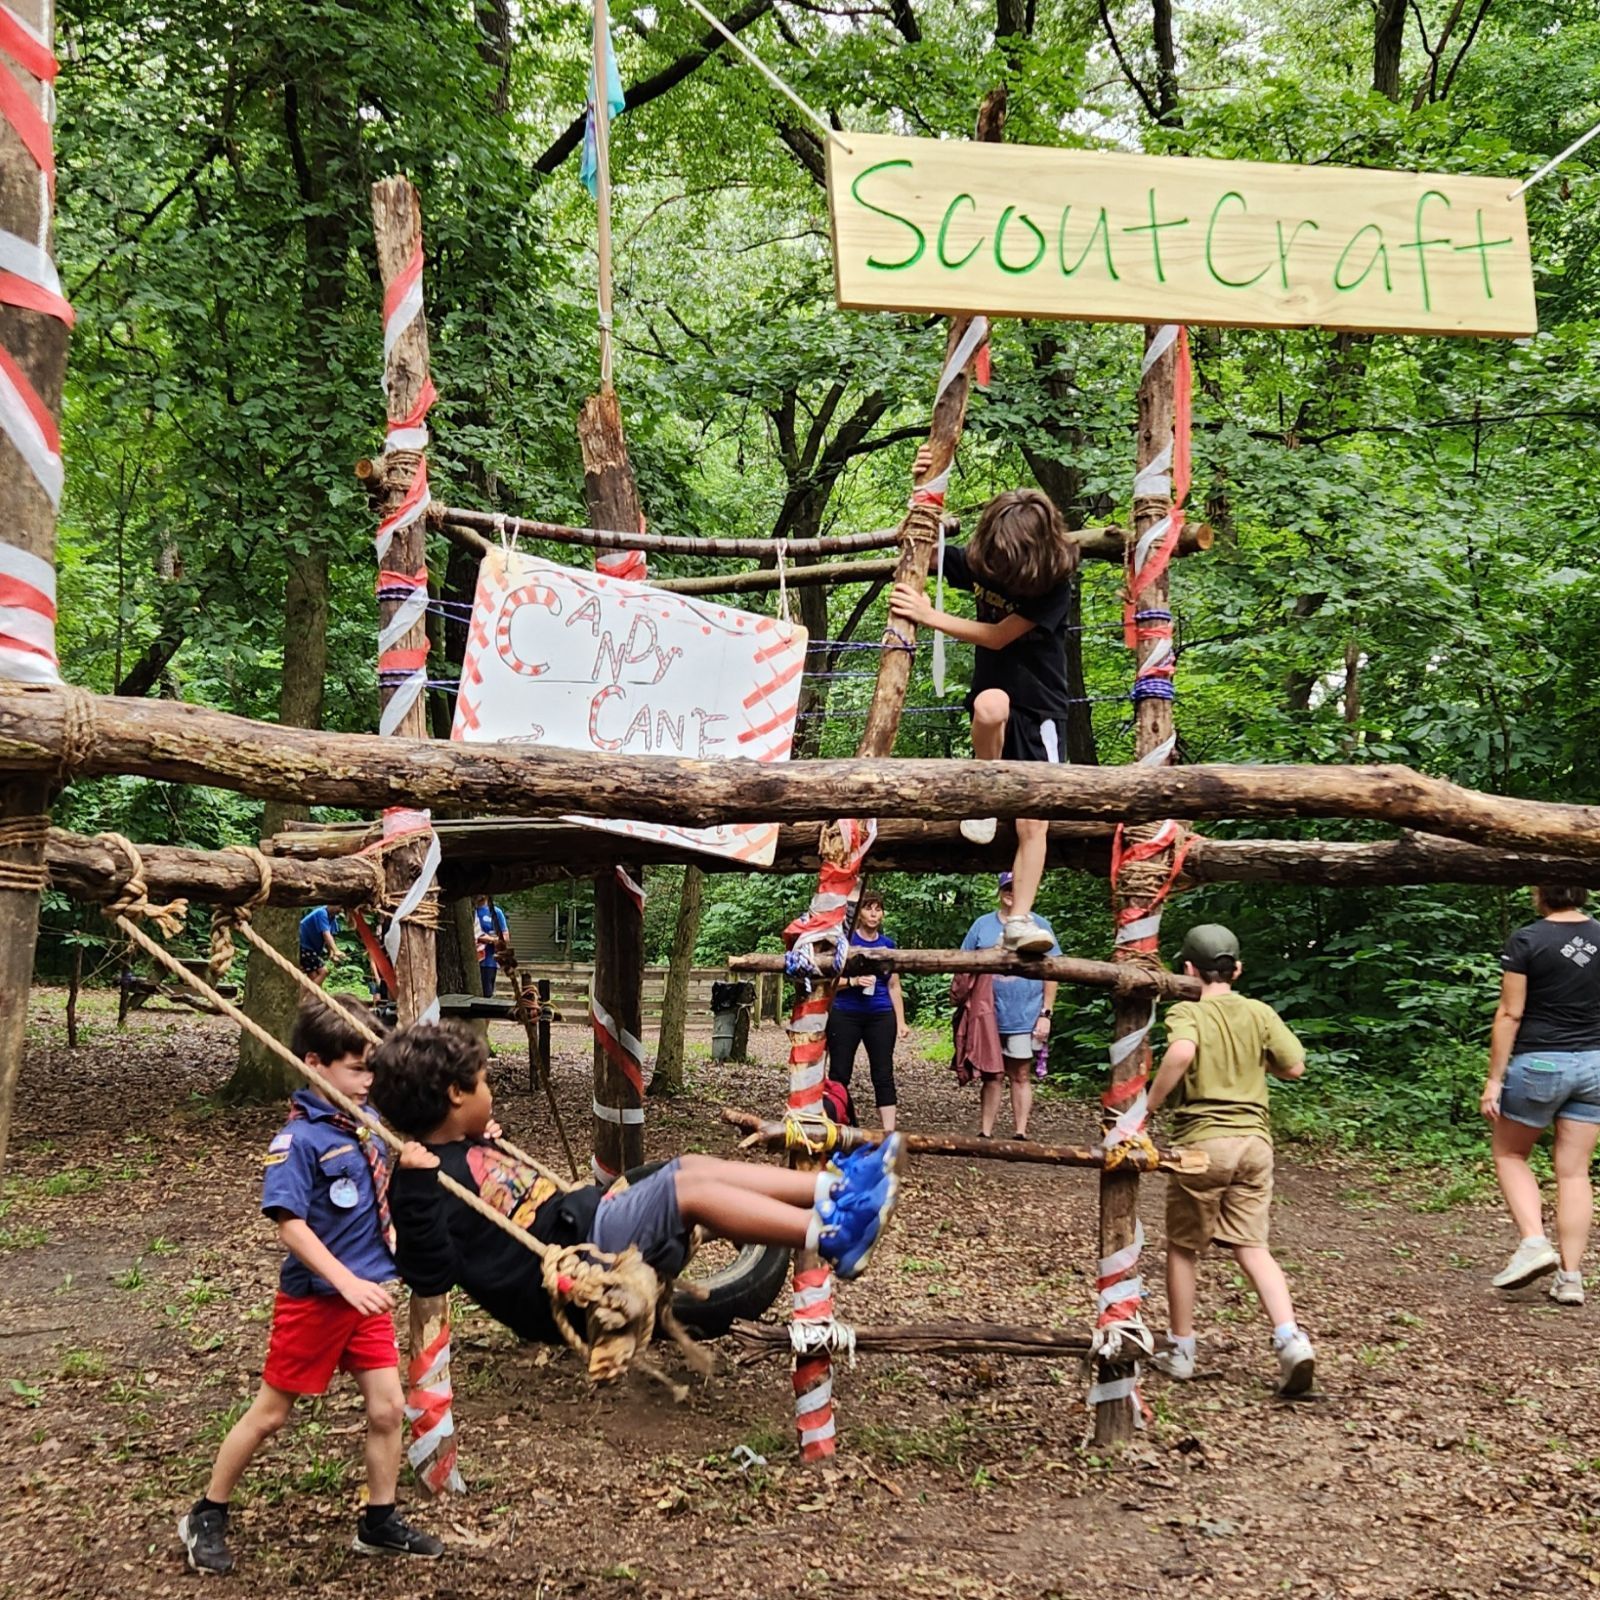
<point x="133" y="900"/>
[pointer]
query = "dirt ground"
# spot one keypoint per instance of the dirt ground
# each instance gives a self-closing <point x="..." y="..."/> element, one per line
<point x="1454" y="1448"/>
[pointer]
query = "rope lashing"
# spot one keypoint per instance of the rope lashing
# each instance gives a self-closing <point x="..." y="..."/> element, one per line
<point x="833" y="1335"/>
<point x="24" y="833"/>
<point x="226" y="919"/>
<point x="133" y="898"/>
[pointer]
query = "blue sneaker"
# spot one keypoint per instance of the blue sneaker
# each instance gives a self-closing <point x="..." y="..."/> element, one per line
<point x="852" y="1223"/>
<point x="868" y="1165"/>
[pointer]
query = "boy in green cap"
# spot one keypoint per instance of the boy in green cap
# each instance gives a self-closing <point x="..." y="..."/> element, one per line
<point x="1220" y="1049"/>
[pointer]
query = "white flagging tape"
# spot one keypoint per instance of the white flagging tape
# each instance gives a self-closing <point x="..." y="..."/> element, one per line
<point x="834" y="1336"/>
<point x="407" y="614"/>
<point x="1551" y="165"/>
<point x="413" y="898"/>
<point x="1155" y="476"/>
<point x="407" y="308"/>
<point x="977" y="331"/>
<point x="1115" y="1389"/>
<point x="805" y="1299"/>
<point x="1119" y="1261"/>
<point x="938" y="605"/>
<point x="1166" y="337"/>
<point x="1161" y="754"/>
<point x="618" y="1115"/>
<point x="33" y="434"/>
<point x="1140" y="928"/>
<point x="814" y="1399"/>
<point x="401" y="701"/>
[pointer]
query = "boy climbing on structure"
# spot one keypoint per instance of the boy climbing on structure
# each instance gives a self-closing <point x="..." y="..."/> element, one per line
<point x="326" y="1186"/>
<point x="1018" y="566"/>
<point x="432" y="1083"/>
<point x="1220" y="1049"/>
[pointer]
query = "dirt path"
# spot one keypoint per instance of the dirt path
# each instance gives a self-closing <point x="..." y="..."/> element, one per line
<point x="1455" y="1450"/>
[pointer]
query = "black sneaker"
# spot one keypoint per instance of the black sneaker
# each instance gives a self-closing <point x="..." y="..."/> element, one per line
<point x="205" y="1538"/>
<point x="393" y="1537"/>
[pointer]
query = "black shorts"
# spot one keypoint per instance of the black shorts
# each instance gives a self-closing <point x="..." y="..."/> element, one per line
<point x="1030" y="735"/>
<point x="312" y="960"/>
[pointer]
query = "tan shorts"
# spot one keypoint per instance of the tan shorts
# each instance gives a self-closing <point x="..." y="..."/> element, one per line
<point x="1230" y="1202"/>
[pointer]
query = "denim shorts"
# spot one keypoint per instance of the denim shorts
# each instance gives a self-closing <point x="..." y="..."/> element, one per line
<point x="645" y="1214"/>
<point x="1542" y="1085"/>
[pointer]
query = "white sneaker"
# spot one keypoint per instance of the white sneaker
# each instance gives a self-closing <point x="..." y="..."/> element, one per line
<point x="1533" y="1259"/>
<point x="1026" y="937"/>
<point x="1566" y="1288"/>
<point x="1175" y="1363"/>
<point x="1297" y="1364"/>
<point x="979" y="830"/>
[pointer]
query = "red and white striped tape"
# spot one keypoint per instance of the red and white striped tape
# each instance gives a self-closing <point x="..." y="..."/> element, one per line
<point x="27" y="617"/>
<point x="973" y="339"/>
<point x="28" y="280"/>
<point x="625" y="1049"/>
<point x="429" y="1399"/>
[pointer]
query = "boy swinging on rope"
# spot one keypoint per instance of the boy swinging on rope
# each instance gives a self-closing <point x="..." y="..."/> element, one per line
<point x="431" y="1082"/>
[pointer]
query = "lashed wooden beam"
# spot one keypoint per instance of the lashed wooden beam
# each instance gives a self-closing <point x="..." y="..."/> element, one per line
<point x="192" y="744"/>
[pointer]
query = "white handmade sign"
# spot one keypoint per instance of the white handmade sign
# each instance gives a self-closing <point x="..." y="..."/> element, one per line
<point x="571" y="658"/>
<point x="1021" y="231"/>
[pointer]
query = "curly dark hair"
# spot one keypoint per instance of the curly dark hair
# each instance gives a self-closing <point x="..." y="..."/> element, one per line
<point x="413" y="1069"/>
<point x="322" y="1028"/>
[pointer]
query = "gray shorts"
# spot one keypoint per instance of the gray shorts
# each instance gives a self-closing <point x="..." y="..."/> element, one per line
<point x="645" y="1215"/>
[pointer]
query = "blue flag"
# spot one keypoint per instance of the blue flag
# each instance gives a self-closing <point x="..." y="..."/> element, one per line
<point x="589" y="171"/>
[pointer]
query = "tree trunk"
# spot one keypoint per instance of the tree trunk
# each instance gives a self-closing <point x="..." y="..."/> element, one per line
<point x="667" y="1079"/>
<point x="38" y="345"/>
<point x="271" y="997"/>
<point x="1388" y="44"/>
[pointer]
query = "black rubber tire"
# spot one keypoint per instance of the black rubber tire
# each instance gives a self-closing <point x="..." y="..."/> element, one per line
<point x="742" y="1290"/>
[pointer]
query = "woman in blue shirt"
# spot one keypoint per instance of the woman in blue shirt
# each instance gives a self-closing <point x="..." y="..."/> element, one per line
<point x="1022" y="1008"/>
<point x="868" y="1011"/>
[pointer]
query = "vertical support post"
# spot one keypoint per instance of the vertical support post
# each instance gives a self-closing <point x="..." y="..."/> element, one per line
<point x="1145" y="860"/>
<point x="600" y="122"/>
<point x="412" y="849"/>
<point x="544" y="1029"/>
<point x="826" y="925"/>
<point x="34" y="319"/>
<point x="616" y="995"/>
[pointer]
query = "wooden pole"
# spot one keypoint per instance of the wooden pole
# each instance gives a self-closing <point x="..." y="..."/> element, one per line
<point x="1058" y="969"/>
<point x="931" y="1338"/>
<point x="193" y="744"/>
<point x="35" y="344"/>
<point x="776" y="1136"/>
<point x="402" y="669"/>
<point x="600" y="121"/>
<point x="1138" y="888"/>
<point x="480" y="532"/>
<point x="667" y="1079"/>
<point x="616" y="1009"/>
<point x="839" y="881"/>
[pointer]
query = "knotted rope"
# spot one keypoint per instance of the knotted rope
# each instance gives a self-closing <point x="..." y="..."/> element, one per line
<point x="132" y="900"/>
<point x="226" y="920"/>
<point x="24" y="834"/>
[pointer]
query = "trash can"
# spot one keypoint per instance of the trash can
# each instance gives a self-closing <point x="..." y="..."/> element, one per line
<point x="730" y="1019"/>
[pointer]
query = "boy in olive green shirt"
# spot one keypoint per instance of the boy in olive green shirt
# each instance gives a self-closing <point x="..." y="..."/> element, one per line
<point x="1220" y="1049"/>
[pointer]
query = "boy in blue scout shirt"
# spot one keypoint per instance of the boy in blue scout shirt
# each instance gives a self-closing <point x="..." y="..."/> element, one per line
<point x="326" y="1186"/>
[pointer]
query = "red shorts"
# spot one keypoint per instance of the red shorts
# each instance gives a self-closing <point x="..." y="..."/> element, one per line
<point x="316" y="1335"/>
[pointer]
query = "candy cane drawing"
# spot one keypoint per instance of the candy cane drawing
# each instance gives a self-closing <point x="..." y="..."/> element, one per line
<point x="530" y="594"/>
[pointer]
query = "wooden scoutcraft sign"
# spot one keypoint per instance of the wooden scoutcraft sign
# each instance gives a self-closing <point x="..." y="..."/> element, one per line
<point x="1013" y="230"/>
<point x="558" y="656"/>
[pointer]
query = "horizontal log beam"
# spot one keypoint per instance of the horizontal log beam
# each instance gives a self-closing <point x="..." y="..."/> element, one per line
<point x="775" y="1136"/>
<point x="929" y="1338"/>
<point x="1094" y="544"/>
<point x="88" y="870"/>
<point x="1123" y="977"/>
<point x="46" y="730"/>
<point x="489" y="526"/>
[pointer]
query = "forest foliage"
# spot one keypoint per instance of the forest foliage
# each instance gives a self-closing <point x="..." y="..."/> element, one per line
<point x="1404" y="568"/>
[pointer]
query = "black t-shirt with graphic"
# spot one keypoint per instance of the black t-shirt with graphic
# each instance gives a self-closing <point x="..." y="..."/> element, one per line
<point x="1033" y="669"/>
<point x="1562" y="963"/>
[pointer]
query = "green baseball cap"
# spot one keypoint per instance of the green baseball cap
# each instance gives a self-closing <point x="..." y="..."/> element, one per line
<point x="1207" y="943"/>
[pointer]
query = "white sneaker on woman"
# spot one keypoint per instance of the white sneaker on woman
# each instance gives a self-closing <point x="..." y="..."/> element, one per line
<point x="1532" y="1259"/>
<point x="1566" y="1288"/>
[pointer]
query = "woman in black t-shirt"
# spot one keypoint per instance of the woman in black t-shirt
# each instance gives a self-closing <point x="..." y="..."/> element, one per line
<point x="1544" y="1067"/>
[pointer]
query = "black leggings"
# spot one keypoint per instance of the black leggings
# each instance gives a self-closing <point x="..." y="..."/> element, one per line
<point x="876" y="1030"/>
